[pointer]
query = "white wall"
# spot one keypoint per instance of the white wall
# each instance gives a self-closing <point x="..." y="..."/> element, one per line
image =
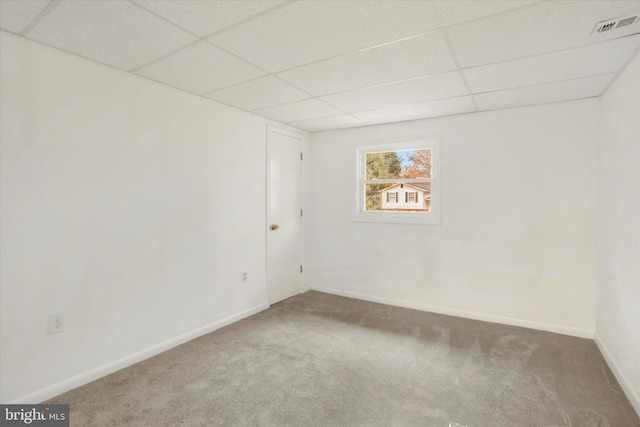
<point x="119" y="208"/>
<point x="618" y="295"/>
<point x="516" y="243"/>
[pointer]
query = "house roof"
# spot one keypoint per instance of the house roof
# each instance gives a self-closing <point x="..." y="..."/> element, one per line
<point x="422" y="186"/>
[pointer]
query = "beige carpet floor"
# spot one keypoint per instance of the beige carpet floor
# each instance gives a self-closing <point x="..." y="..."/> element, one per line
<point x="323" y="360"/>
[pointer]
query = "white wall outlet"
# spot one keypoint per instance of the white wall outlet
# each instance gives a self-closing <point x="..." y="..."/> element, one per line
<point x="55" y="323"/>
<point x="244" y="277"/>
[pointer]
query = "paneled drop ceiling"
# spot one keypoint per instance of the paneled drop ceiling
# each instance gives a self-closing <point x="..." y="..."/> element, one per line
<point x="322" y="64"/>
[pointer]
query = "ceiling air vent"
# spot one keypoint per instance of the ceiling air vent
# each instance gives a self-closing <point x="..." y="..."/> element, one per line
<point x="604" y="26"/>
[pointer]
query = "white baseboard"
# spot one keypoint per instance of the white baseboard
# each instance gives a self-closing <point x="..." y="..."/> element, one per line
<point x="559" y="329"/>
<point x="622" y="379"/>
<point x="116" y="365"/>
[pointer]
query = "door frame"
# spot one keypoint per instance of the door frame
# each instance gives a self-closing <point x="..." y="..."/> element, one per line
<point x="300" y="136"/>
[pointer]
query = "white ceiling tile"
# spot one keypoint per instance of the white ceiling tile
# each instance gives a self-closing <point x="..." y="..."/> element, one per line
<point x="299" y="111"/>
<point x="381" y="61"/>
<point x="453" y="12"/>
<point x="341" y="121"/>
<point x="307" y="31"/>
<point x="204" y="17"/>
<point x="423" y="89"/>
<point x="541" y="28"/>
<point x="15" y="15"/>
<point x="405" y="59"/>
<point x="110" y="32"/>
<point x="260" y="93"/>
<point x="543" y="94"/>
<point x="420" y="110"/>
<point x="585" y="61"/>
<point x="200" y="68"/>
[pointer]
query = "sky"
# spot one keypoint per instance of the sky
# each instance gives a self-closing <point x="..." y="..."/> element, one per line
<point x="404" y="156"/>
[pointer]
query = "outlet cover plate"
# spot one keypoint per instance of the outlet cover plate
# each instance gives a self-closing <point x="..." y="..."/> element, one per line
<point x="55" y="323"/>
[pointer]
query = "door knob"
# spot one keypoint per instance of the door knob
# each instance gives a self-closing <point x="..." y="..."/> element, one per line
<point x="274" y="226"/>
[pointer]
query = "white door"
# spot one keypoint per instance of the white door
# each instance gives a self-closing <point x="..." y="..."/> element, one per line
<point x="284" y="221"/>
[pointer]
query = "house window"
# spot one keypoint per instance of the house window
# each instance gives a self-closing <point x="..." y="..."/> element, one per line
<point x="398" y="181"/>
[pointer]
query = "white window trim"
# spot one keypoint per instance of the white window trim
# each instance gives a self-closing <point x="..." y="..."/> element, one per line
<point x="399" y="144"/>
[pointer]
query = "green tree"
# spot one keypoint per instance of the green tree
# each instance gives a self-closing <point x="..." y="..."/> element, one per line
<point x="380" y="166"/>
<point x="383" y="165"/>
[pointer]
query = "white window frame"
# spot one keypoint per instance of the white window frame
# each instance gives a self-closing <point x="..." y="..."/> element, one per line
<point x="399" y="144"/>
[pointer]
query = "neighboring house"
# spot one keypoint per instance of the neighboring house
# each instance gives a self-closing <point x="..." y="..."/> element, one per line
<point x="406" y="197"/>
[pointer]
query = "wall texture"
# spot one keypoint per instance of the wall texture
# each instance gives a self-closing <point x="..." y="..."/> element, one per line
<point x="120" y="208"/>
<point x="517" y="242"/>
<point x="618" y="295"/>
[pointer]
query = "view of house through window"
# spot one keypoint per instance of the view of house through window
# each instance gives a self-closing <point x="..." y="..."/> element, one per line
<point x="406" y="175"/>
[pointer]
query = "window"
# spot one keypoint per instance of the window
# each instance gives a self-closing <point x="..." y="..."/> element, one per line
<point x="398" y="181"/>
